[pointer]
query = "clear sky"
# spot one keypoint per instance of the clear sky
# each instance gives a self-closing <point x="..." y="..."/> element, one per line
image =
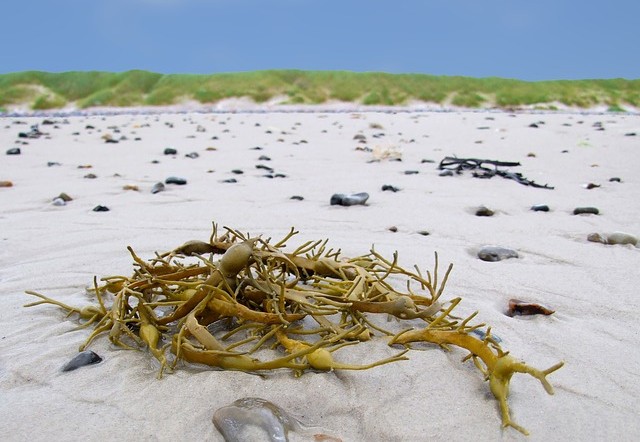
<point x="524" y="39"/>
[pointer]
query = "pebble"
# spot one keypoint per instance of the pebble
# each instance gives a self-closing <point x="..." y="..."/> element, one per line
<point x="229" y="180"/>
<point x="6" y="184"/>
<point x="100" y="208"/>
<point x="57" y="201"/>
<point x="614" y="238"/>
<point x="390" y="188"/>
<point x="170" y="151"/>
<point x="496" y="253"/>
<point x="237" y="171"/>
<point x="522" y="308"/>
<point x="175" y="180"/>
<point x="590" y="186"/>
<point x="13" y="151"/>
<point x="53" y="163"/>
<point x="157" y="187"/>
<point x="586" y="210"/>
<point x="130" y="187"/>
<point x="91" y="176"/>
<point x="424" y="160"/>
<point x="66" y="198"/>
<point x="263" y="167"/>
<point x="446" y="173"/>
<point x="423" y="233"/>
<point x="192" y="155"/>
<point x="540" y="208"/>
<point x="484" y="211"/>
<point x="615" y="179"/>
<point x="297" y="198"/>
<point x="80" y="360"/>
<point x="264" y="158"/>
<point x="349" y="200"/>
<point x="411" y="172"/>
<point x="393" y="229"/>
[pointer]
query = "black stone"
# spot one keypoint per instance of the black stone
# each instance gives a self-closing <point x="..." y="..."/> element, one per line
<point x="349" y="200"/>
<point x="230" y="180"/>
<point x="411" y="172"/>
<point x="586" y="210"/>
<point x="263" y="167"/>
<point x="446" y="173"/>
<point x="484" y="211"/>
<point x="170" y="151"/>
<point x="297" y="198"/>
<point x="534" y="125"/>
<point x="615" y="179"/>
<point x="237" y="171"/>
<point x="14" y="151"/>
<point x="53" y="163"/>
<point x="80" y="360"/>
<point x="264" y="158"/>
<point x="100" y="209"/>
<point x="390" y="188"/>
<point x="540" y="208"/>
<point x="176" y="180"/>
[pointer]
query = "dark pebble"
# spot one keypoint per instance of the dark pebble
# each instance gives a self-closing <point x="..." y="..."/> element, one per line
<point x="446" y="173"/>
<point x="411" y="172"/>
<point x="111" y="140"/>
<point x="229" y="180"/>
<point x="264" y="158"/>
<point x="263" y="167"/>
<point x="534" y="125"/>
<point x="297" y="198"/>
<point x="484" y="211"/>
<point x="100" y="209"/>
<point x="13" y="151"/>
<point x="237" y="171"/>
<point x="192" y="155"/>
<point x="427" y="161"/>
<point x="592" y="186"/>
<point x="615" y="179"/>
<point x="66" y="198"/>
<point x="89" y="127"/>
<point x="279" y="175"/>
<point x="157" y="187"/>
<point x="495" y="253"/>
<point x="540" y="208"/>
<point x="423" y="233"/>
<point x="349" y="200"/>
<point x="80" y="360"/>
<point x="175" y="180"/>
<point x="390" y="188"/>
<point x="53" y="163"/>
<point x="91" y="176"/>
<point x="256" y="148"/>
<point x="630" y="134"/>
<point x="586" y="210"/>
<point x="393" y="229"/>
<point x="170" y="151"/>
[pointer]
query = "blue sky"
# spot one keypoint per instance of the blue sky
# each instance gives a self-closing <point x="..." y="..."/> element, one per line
<point x="524" y="39"/>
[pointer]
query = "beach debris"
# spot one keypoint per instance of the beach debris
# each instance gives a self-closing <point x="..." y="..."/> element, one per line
<point x="391" y="153"/>
<point x="352" y="199"/>
<point x="522" y="308"/>
<point x="176" y="180"/>
<point x="130" y="187"/>
<point x="296" y="309"/>
<point x="101" y="208"/>
<point x="192" y="155"/>
<point x="170" y="151"/>
<point x="82" y="359"/>
<point x="614" y="238"/>
<point x="53" y="163"/>
<point x="484" y="211"/>
<point x="390" y="188"/>
<point x="480" y="170"/>
<point x="6" y="183"/>
<point x="590" y="186"/>
<point x="157" y="187"/>
<point x="496" y="253"/>
<point x="14" y="151"/>
<point x="33" y="133"/>
<point x="540" y="208"/>
<point x="586" y="211"/>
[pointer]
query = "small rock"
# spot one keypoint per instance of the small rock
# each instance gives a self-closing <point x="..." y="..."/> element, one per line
<point x="100" y="208"/>
<point x="411" y="172"/>
<point x="57" y="201"/>
<point x="586" y="210"/>
<point x="85" y="166"/>
<point x="540" y="208"/>
<point x="66" y="198"/>
<point x="237" y="171"/>
<point x="53" y="163"/>
<point x="390" y="188"/>
<point x="6" y="184"/>
<point x="495" y="253"/>
<point x="531" y="155"/>
<point x="192" y="155"/>
<point x="14" y="151"/>
<point x="424" y="160"/>
<point x="517" y="307"/>
<point x="211" y="149"/>
<point x="157" y="187"/>
<point x="423" y="233"/>
<point x="263" y="167"/>
<point x="264" y="158"/>
<point x="630" y="134"/>
<point x="615" y="179"/>
<point x="591" y="186"/>
<point x="534" y="125"/>
<point x="130" y="187"/>
<point x="297" y="198"/>
<point x="229" y="180"/>
<point x="446" y="173"/>
<point x="596" y="237"/>
<point x="484" y="211"/>
<point x="91" y="176"/>
<point x="175" y="180"/>
<point x="349" y="200"/>
<point x="393" y="229"/>
<point x="622" y="238"/>
<point x="85" y="358"/>
<point x="170" y="151"/>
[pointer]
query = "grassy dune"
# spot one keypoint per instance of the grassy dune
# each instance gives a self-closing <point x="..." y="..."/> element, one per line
<point x="43" y="90"/>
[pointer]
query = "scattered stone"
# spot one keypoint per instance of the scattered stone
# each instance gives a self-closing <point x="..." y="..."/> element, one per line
<point x="170" y="151"/>
<point x="14" y="151"/>
<point x="393" y="229"/>
<point x="534" y="125"/>
<point x="411" y="172"/>
<point x="85" y="166"/>
<point x="615" y="179"/>
<point x="192" y="155"/>
<point x="91" y="176"/>
<point x="496" y="253"/>
<point x="591" y="186"/>
<point x="390" y="188"/>
<point x="297" y="198"/>
<point x="531" y="154"/>
<point x="155" y="162"/>
<point x="80" y="360"/>
<point x="66" y="198"/>
<point x="586" y="210"/>
<point x="57" y="201"/>
<point x="521" y="308"/>
<point x="349" y="200"/>
<point x="614" y="238"/>
<point x="446" y="173"/>
<point x="423" y="233"/>
<point x="157" y="187"/>
<point x="100" y="208"/>
<point x="6" y="184"/>
<point x="264" y="158"/>
<point x="89" y="127"/>
<point x="53" y="163"/>
<point x="237" y="171"/>
<point x="34" y="133"/>
<point x="630" y="134"/>
<point x="256" y="148"/>
<point x="130" y="187"/>
<point x="263" y="167"/>
<point x="425" y="160"/>
<point x="484" y="211"/>
<point x="359" y="137"/>
<point x="540" y="208"/>
<point x="211" y="149"/>
<point x="229" y="180"/>
<point x="175" y="180"/>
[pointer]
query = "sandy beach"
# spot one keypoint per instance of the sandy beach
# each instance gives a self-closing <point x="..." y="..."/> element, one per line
<point x="592" y="287"/>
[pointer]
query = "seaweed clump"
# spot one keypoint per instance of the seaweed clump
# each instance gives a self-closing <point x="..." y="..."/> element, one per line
<point x="258" y="308"/>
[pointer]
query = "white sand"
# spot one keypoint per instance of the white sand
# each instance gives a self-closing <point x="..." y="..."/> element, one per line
<point x="594" y="288"/>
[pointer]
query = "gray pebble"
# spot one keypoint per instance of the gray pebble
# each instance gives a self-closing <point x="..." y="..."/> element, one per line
<point x="13" y="151"/>
<point x="57" y="201"/>
<point x="496" y="253"/>
<point x="157" y="187"/>
<point x="170" y="151"/>
<point x="484" y="211"/>
<point x="85" y="358"/>
<point x="586" y="210"/>
<point x="175" y="180"/>
<point x="349" y="200"/>
<point x="446" y="173"/>
<point x="540" y="208"/>
<point x="192" y="155"/>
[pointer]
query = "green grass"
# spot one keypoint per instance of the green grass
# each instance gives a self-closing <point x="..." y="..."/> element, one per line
<point x="43" y="90"/>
